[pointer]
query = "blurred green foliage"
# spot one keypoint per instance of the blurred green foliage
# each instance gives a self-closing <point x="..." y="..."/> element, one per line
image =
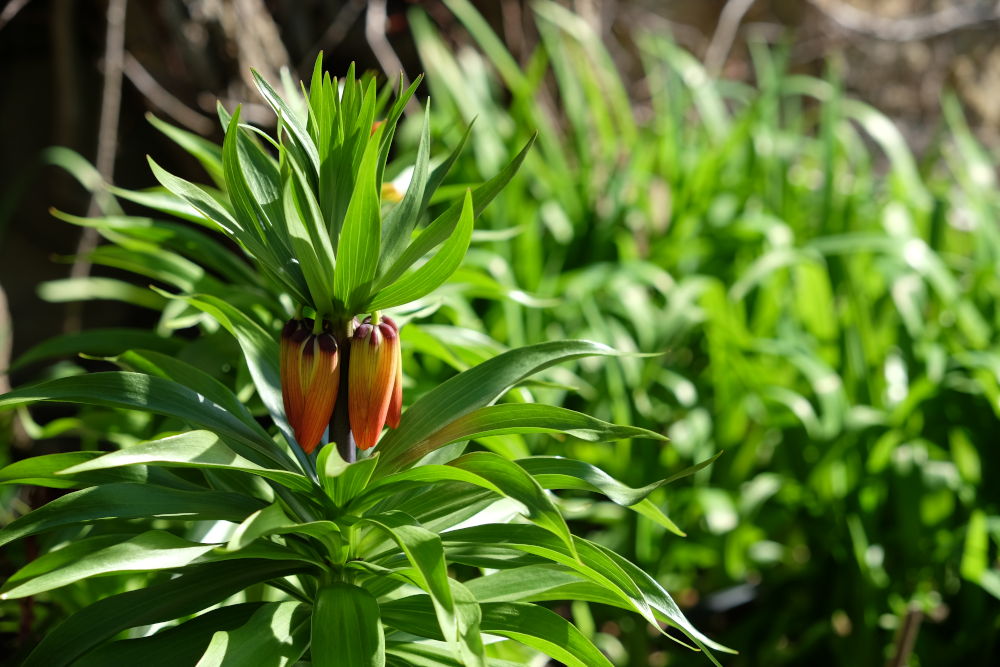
<point x="823" y="300"/>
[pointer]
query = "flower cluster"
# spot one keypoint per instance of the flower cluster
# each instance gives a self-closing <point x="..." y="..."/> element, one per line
<point x="310" y="378"/>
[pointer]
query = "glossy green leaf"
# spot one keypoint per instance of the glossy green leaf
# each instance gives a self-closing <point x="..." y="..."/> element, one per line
<point x="152" y="550"/>
<point x="260" y="349"/>
<point x="472" y="389"/>
<point x="424" y="551"/>
<point x="526" y="623"/>
<point x="554" y="472"/>
<point x="347" y="628"/>
<point x="433" y="273"/>
<point x="207" y="153"/>
<point x="276" y="635"/>
<point x="291" y="122"/>
<point x="343" y="481"/>
<point x="492" y="472"/>
<point x="145" y="392"/>
<point x="309" y="237"/>
<point x="42" y="471"/>
<point x="597" y="564"/>
<point x="141" y="232"/>
<point x="197" y="588"/>
<point x="192" y="377"/>
<point x="96" y="342"/>
<point x="130" y="501"/>
<point x="442" y="227"/>
<point x="91" y="288"/>
<point x="521" y="583"/>
<point x="178" y="645"/>
<point x="429" y="653"/>
<point x="509" y="418"/>
<point x="272" y="520"/>
<point x="205" y="202"/>
<point x="402" y="220"/>
<point x="360" y="237"/>
<point x="194" y="449"/>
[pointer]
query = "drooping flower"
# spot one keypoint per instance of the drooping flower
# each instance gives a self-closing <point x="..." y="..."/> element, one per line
<point x="310" y="378"/>
<point x="375" y="380"/>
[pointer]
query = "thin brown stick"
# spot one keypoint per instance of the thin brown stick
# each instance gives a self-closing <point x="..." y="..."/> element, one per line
<point x="161" y="98"/>
<point x="375" y="19"/>
<point x="107" y="146"/>
<point x="11" y="10"/>
<point x="725" y="34"/>
<point x="909" y="28"/>
<point x="906" y="638"/>
<point x="15" y="433"/>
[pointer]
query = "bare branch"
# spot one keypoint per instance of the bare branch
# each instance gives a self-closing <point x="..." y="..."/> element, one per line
<point x="11" y="10"/>
<point x="107" y="145"/>
<point x="910" y="28"/>
<point x="375" y="20"/>
<point x="725" y="34"/>
<point x="161" y="98"/>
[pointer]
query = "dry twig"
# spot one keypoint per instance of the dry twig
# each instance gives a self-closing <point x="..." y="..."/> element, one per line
<point x="725" y="34"/>
<point x="161" y="98"/>
<point x="107" y="146"/>
<point x="11" y="10"/>
<point x="910" y="28"/>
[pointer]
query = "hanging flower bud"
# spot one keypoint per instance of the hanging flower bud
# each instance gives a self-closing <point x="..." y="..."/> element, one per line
<point x="310" y="377"/>
<point x="396" y="401"/>
<point x="375" y="357"/>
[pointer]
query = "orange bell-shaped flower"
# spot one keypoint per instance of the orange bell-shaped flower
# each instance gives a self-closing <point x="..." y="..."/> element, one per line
<point x="375" y="380"/>
<point x="310" y="378"/>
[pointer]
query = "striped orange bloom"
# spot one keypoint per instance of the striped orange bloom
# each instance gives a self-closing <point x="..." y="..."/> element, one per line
<point x="310" y="378"/>
<point x="375" y="373"/>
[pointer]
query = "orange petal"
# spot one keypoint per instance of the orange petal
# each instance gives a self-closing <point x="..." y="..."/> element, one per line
<point x="319" y="390"/>
<point x="396" y="401"/>
<point x="293" y="337"/>
<point x="371" y="376"/>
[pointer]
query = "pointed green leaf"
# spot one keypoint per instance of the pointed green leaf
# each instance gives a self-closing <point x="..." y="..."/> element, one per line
<point x="347" y="628"/>
<point x="444" y="225"/>
<point x="198" y="587"/>
<point x="489" y="471"/>
<point x="260" y="349"/>
<point x="360" y="237"/>
<point x="91" y="288"/>
<point x="508" y="418"/>
<point x="152" y="550"/>
<point x="178" y="645"/>
<point x="343" y="481"/>
<point x="423" y="550"/>
<point x="472" y="389"/>
<point x="195" y="449"/>
<point x="145" y="392"/>
<point x="433" y="273"/>
<point x="171" y="368"/>
<point x="41" y="471"/>
<point x="526" y="623"/>
<point x="206" y="152"/>
<point x="276" y="635"/>
<point x="130" y="501"/>
<point x="402" y="220"/>
<point x="96" y="342"/>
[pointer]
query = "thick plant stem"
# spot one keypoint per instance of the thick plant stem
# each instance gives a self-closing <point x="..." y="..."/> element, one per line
<point x="340" y="423"/>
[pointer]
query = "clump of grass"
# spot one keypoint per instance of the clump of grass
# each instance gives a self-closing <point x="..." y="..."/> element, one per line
<point x="824" y="302"/>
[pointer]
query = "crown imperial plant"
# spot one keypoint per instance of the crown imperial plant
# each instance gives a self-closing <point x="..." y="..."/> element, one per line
<point x="250" y="481"/>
